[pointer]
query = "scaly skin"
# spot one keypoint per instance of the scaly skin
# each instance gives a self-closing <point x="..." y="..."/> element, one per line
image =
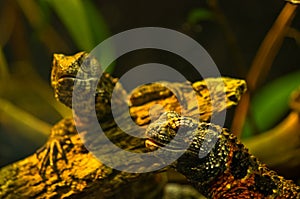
<point x="65" y="73"/>
<point x="63" y="76"/>
<point x="225" y="168"/>
<point x="79" y="173"/>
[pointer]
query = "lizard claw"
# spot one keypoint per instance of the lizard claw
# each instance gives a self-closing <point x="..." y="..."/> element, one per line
<point x="53" y="151"/>
<point x="55" y="148"/>
<point x="49" y="154"/>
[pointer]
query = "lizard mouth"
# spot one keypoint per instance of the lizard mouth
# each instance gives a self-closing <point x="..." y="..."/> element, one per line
<point x="67" y="77"/>
<point x="70" y="78"/>
<point x="78" y="77"/>
<point x="62" y="79"/>
<point x="154" y="145"/>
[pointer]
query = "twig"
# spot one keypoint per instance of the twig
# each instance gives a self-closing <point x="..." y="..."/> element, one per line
<point x="263" y="61"/>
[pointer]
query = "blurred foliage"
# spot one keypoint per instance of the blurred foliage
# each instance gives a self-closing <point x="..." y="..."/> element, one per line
<point x="269" y="105"/>
<point x="27" y="106"/>
<point x="84" y="23"/>
<point x="31" y="31"/>
<point x="200" y="14"/>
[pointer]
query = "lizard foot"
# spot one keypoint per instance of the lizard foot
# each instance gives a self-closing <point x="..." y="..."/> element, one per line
<point x="56" y="147"/>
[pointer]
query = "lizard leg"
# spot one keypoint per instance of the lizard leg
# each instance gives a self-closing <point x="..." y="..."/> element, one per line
<point x="56" y="146"/>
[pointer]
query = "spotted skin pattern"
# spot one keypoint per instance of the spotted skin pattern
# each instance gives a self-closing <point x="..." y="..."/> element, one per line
<point x="225" y="168"/>
<point x="65" y="74"/>
<point x="228" y="171"/>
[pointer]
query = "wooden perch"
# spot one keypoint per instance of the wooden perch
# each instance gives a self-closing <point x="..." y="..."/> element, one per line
<point x="86" y="177"/>
<point x="64" y="168"/>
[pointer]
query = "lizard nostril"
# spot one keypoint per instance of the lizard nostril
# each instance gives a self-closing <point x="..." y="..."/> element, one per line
<point x="233" y="98"/>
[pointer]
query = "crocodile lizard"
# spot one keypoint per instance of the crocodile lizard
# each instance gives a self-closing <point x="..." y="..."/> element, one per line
<point x="64" y="143"/>
<point x="265" y="183"/>
<point x="63" y="75"/>
<point x="228" y="171"/>
<point x="63" y="168"/>
<point x="216" y="162"/>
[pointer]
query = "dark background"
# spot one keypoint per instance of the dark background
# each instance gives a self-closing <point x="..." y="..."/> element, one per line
<point x="28" y="55"/>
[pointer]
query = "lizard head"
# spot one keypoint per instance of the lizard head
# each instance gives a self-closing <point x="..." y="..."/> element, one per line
<point x="191" y="136"/>
<point x="162" y="132"/>
<point x="199" y="151"/>
<point x="64" y="74"/>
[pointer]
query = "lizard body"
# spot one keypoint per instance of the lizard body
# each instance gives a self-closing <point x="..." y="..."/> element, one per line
<point x="63" y="76"/>
<point x="216" y="162"/>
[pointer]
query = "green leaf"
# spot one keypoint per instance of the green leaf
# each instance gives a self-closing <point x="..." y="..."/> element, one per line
<point x="84" y="23"/>
<point x="96" y="23"/>
<point x="270" y="104"/>
<point x="199" y="14"/>
<point x="99" y="29"/>
<point x="74" y="16"/>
